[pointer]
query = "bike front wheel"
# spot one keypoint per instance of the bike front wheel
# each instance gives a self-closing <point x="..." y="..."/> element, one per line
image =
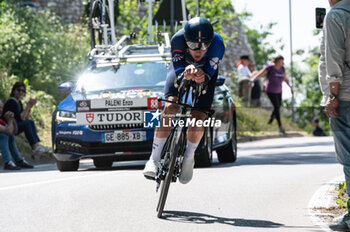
<point x="165" y="184"/>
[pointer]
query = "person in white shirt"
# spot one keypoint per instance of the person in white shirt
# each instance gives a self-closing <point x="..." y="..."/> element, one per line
<point x="243" y="77"/>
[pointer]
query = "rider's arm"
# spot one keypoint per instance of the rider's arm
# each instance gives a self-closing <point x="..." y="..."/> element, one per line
<point x="178" y="50"/>
<point x="214" y="54"/>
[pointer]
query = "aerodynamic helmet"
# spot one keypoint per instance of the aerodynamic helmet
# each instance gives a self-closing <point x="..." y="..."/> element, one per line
<point x="198" y="33"/>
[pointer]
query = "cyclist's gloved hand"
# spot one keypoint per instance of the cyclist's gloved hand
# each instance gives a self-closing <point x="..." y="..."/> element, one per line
<point x="192" y="73"/>
<point x="199" y="77"/>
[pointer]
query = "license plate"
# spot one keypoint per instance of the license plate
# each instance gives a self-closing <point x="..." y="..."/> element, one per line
<point x="124" y="136"/>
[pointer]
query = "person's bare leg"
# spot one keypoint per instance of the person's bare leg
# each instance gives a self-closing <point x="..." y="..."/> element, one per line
<point x="194" y="136"/>
<point x="160" y="136"/>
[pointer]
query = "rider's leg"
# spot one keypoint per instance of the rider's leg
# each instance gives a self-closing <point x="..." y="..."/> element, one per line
<point x="160" y="136"/>
<point x="162" y="133"/>
<point x="194" y="136"/>
<point x="171" y="93"/>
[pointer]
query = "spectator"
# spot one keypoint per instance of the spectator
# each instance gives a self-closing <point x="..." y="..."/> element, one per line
<point x="276" y="74"/>
<point x="8" y="144"/>
<point x="244" y="74"/>
<point x="21" y="115"/>
<point x="317" y="131"/>
<point x="256" y="90"/>
<point x="334" y="77"/>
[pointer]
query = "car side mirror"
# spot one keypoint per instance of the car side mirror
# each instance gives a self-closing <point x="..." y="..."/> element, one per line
<point x="66" y="87"/>
<point x="220" y="81"/>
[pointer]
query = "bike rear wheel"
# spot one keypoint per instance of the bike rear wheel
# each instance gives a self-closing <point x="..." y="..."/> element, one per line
<point x="165" y="184"/>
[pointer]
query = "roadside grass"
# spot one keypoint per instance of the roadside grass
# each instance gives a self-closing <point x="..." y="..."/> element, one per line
<point x="339" y="204"/>
<point x="253" y="122"/>
<point x="342" y="197"/>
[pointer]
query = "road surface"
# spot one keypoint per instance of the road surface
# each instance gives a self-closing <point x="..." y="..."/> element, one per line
<point x="267" y="189"/>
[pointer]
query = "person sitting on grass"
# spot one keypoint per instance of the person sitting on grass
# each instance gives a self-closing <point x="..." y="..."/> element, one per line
<point x="8" y="146"/>
<point x="21" y="115"/>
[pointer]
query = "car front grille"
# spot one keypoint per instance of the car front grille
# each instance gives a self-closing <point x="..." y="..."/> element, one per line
<point x="73" y="145"/>
<point x="115" y="127"/>
<point x="89" y="148"/>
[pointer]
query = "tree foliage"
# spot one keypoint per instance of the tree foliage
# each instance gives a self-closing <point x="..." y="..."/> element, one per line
<point x="38" y="50"/>
<point x="263" y="50"/>
<point x="132" y="16"/>
<point x="309" y="93"/>
<point x="37" y="47"/>
<point x="257" y="39"/>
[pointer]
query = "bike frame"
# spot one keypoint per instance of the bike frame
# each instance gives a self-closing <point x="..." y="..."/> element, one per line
<point x="172" y="153"/>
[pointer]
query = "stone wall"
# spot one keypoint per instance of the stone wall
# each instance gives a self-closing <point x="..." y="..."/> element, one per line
<point x="70" y="11"/>
<point x="235" y="48"/>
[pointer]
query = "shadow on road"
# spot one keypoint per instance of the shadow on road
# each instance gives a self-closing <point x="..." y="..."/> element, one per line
<point x="200" y="218"/>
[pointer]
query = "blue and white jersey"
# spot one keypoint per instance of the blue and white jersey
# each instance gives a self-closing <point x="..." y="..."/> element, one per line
<point x="181" y="57"/>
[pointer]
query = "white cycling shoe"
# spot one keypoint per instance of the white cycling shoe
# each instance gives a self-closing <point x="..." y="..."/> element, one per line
<point x="186" y="170"/>
<point x="150" y="169"/>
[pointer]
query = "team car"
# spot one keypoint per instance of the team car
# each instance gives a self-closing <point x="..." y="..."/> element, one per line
<point x="108" y="114"/>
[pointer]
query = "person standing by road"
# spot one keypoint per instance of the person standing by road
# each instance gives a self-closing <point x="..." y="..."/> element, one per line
<point x="276" y="74"/>
<point x="256" y="89"/>
<point x="243" y="76"/>
<point x="334" y="77"/>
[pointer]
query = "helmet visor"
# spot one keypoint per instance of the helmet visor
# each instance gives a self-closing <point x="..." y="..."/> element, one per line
<point x="198" y="46"/>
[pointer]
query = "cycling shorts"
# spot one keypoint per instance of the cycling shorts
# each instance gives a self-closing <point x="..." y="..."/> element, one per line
<point x="204" y="101"/>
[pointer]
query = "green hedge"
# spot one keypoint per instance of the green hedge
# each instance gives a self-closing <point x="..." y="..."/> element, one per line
<point x="37" y="49"/>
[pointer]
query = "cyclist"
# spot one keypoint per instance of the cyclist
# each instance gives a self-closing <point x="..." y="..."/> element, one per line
<point x="196" y="53"/>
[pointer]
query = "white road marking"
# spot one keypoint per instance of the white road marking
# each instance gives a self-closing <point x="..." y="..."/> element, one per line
<point x="53" y="181"/>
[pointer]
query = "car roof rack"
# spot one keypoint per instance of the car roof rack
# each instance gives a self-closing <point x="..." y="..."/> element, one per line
<point x="122" y="51"/>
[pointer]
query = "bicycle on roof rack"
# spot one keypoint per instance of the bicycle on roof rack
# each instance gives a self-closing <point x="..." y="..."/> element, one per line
<point x="101" y="22"/>
<point x="174" y="148"/>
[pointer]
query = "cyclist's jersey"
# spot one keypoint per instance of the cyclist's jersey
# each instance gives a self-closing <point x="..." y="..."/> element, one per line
<point x="182" y="58"/>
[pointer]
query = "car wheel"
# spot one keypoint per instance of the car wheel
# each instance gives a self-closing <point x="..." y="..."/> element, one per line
<point x="103" y="163"/>
<point x="228" y="152"/>
<point x="64" y="166"/>
<point x="203" y="154"/>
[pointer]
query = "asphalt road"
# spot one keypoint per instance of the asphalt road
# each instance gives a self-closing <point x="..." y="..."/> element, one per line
<point x="267" y="189"/>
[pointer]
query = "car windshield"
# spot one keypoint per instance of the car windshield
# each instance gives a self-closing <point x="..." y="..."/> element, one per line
<point x="121" y="76"/>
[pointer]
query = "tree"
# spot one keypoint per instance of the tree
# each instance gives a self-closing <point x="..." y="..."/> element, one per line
<point x="36" y="47"/>
<point x="257" y="38"/>
<point x="263" y="50"/>
<point x="307" y="85"/>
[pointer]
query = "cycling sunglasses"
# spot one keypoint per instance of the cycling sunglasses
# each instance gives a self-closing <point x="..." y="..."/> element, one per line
<point x="198" y="46"/>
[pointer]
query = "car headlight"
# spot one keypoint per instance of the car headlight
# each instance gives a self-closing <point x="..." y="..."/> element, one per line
<point x="65" y="116"/>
